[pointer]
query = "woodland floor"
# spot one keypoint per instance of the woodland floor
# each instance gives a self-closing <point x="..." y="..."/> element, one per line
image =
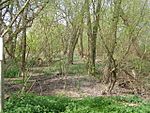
<point x="71" y="85"/>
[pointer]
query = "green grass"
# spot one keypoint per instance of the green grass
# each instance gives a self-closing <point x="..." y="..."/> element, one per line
<point x="76" y="68"/>
<point x="55" y="104"/>
<point x="12" y="72"/>
<point x="62" y="67"/>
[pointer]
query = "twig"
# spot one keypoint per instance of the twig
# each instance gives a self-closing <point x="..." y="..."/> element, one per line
<point x="31" y="86"/>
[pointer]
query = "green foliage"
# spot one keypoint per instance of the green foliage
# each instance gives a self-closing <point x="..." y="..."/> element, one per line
<point x="36" y="104"/>
<point x="12" y="71"/>
<point x="128" y="99"/>
<point x="141" y="65"/>
<point x="77" y="69"/>
<point x="53" y="68"/>
<point x="53" y="104"/>
<point x="61" y="66"/>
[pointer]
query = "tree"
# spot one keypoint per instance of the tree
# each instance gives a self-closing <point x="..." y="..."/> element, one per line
<point x="16" y="17"/>
<point x="92" y="34"/>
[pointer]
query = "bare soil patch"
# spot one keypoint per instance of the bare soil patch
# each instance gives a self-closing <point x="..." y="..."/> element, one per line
<point x="72" y="86"/>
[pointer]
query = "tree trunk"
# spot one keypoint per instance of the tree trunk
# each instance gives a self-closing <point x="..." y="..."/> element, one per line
<point x="73" y="42"/>
<point x="23" y="59"/>
<point x="92" y="36"/>
<point x="112" y="66"/>
<point x="77" y="32"/>
<point x="81" y="51"/>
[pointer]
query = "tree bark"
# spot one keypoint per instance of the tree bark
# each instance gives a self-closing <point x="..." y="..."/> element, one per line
<point x="24" y="45"/>
<point x="81" y="51"/>
<point x="112" y="66"/>
<point x="77" y="29"/>
<point x="92" y="36"/>
<point x="73" y="42"/>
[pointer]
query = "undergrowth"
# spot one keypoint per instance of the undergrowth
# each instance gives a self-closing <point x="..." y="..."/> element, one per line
<point x="55" y="104"/>
<point x="12" y="71"/>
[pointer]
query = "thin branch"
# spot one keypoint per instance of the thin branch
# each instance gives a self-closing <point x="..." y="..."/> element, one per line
<point x="12" y="22"/>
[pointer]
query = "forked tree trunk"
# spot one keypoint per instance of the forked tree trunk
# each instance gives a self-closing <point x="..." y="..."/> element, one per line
<point x="77" y="32"/>
<point x="112" y="66"/>
<point x="73" y="42"/>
